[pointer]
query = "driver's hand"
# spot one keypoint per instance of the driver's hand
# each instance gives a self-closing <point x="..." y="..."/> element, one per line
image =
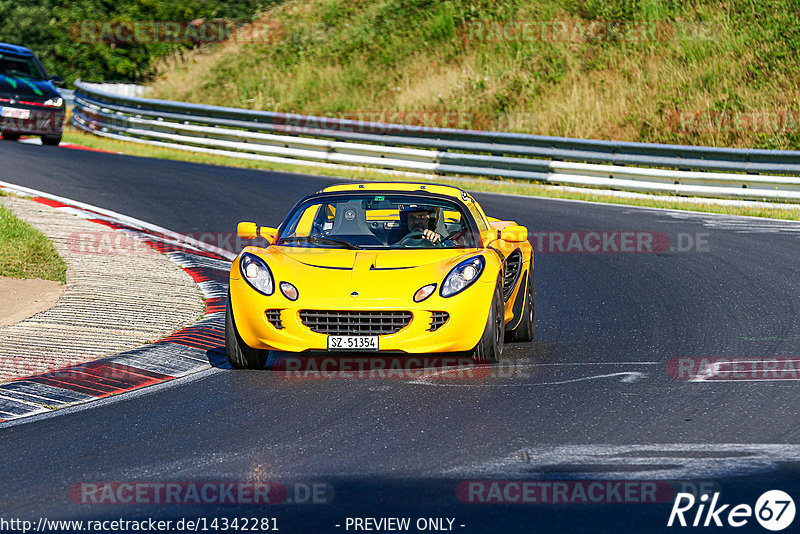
<point x="431" y="236"/>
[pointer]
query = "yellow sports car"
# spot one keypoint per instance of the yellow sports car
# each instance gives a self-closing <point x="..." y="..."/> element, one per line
<point x="384" y="268"/>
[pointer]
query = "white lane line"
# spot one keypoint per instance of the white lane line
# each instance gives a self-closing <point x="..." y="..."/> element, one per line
<point x="20" y="401"/>
<point x="55" y="395"/>
<point x="740" y="380"/>
<point x="22" y="396"/>
<point x="591" y="363"/>
<point x="645" y="196"/>
<point x="726" y="221"/>
<point x="629" y="376"/>
<point x="714" y="370"/>
<point x="656" y="461"/>
<point x="131" y="221"/>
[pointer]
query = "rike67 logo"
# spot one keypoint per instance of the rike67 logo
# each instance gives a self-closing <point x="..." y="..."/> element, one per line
<point x="774" y="510"/>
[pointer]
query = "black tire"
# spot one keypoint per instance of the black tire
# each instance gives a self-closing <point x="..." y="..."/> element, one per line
<point x="10" y="136"/>
<point x="490" y="348"/>
<point x="240" y="356"/>
<point x="51" y="140"/>
<point x="525" y="329"/>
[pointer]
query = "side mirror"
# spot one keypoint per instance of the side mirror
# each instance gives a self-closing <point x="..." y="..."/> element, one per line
<point x="247" y="230"/>
<point x="514" y="234"/>
<point x="57" y="81"/>
<point x="268" y="233"/>
<point x="489" y="236"/>
<point x="250" y="230"/>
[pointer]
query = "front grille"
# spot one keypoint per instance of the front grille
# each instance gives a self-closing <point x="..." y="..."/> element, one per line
<point x="513" y="268"/>
<point x="274" y="317"/>
<point x="438" y="318"/>
<point x="355" y="323"/>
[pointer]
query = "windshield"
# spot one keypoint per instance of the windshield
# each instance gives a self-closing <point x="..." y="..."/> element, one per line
<point x="379" y="221"/>
<point x="16" y="66"/>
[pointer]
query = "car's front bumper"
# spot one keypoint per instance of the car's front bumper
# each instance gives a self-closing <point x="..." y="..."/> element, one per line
<point x="40" y="120"/>
<point x="468" y="312"/>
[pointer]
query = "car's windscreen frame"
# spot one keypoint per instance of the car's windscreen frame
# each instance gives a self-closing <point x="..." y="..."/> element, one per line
<point x="413" y="196"/>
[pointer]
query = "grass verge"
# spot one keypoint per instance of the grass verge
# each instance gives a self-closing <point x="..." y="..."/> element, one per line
<point x="472" y="184"/>
<point x="26" y="253"/>
<point x="705" y="72"/>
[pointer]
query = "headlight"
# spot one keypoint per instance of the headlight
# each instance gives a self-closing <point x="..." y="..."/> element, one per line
<point x="257" y="274"/>
<point x="462" y="276"/>
<point x="56" y="102"/>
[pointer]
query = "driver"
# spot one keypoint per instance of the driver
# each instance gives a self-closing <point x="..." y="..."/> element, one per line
<point x="422" y="219"/>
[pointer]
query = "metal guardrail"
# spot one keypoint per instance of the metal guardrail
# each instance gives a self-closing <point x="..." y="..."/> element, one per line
<point x="118" y="88"/>
<point x="68" y="95"/>
<point x="308" y="140"/>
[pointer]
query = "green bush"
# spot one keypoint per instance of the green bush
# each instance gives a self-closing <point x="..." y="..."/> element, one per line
<point x="52" y="29"/>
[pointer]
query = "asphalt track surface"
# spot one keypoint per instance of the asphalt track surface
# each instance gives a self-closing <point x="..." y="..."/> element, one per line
<point x="590" y="399"/>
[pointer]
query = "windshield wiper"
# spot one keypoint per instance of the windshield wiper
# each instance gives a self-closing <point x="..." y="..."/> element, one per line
<point x="315" y="240"/>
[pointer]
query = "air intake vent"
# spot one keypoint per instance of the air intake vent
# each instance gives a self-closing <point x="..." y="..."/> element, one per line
<point x="355" y="323"/>
<point x="274" y="317"/>
<point x="513" y="268"/>
<point x="438" y="318"/>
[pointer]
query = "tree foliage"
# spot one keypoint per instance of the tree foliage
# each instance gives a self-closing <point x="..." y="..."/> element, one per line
<point x="68" y="35"/>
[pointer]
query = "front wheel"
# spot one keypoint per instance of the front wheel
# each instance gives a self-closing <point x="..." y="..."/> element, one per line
<point x="240" y="355"/>
<point x="10" y="136"/>
<point x="525" y="328"/>
<point x="490" y="348"/>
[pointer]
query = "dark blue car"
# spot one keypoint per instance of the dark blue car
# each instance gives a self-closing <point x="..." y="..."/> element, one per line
<point x="29" y="101"/>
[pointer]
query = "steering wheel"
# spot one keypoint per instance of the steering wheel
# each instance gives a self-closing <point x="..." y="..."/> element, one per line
<point x="455" y="236"/>
<point x="419" y="235"/>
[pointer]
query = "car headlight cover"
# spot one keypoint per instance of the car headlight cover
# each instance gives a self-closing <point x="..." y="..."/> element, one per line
<point x="55" y="102"/>
<point x="257" y="274"/>
<point x="462" y="276"/>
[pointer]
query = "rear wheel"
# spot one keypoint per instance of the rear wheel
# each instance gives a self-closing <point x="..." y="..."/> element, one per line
<point x="51" y="140"/>
<point x="10" y="136"/>
<point x="525" y="328"/>
<point x="240" y="355"/>
<point x="490" y="347"/>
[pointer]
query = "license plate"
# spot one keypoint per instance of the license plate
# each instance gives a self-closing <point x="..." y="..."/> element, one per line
<point x="352" y="342"/>
<point x="15" y="113"/>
